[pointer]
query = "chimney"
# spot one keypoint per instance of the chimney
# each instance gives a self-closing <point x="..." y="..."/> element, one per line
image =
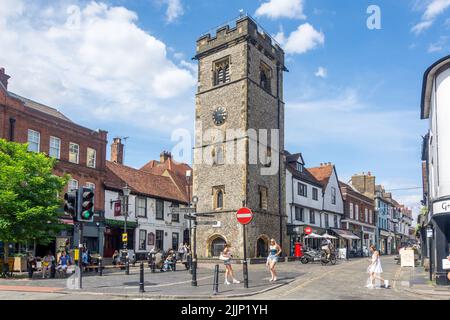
<point x="164" y="156"/>
<point x="117" y="151"/>
<point x="4" y="78"/>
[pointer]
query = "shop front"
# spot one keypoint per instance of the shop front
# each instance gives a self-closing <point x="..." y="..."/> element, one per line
<point x="113" y="236"/>
<point x="346" y="238"/>
<point x="384" y="241"/>
<point x="369" y="237"/>
<point x="356" y="244"/>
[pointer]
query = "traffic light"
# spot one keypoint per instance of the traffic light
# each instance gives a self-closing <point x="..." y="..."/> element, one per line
<point x="85" y="204"/>
<point x="70" y="203"/>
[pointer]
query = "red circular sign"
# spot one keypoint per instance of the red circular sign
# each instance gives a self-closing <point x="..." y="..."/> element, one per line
<point x="308" y="230"/>
<point x="244" y="215"/>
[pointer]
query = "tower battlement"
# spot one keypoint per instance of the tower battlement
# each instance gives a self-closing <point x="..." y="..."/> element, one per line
<point x="246" y="28"/>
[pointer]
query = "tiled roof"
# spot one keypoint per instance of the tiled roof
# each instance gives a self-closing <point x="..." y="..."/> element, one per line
<point x="322" y="173"/>
<point x="305" y="175"/>
<point x="174" y="169"/>
<point x="347" y="186"/>
<point x="142" y="182"/>
<point x="40" y="107"/>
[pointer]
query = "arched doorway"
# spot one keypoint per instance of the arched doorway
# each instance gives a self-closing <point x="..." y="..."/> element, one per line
<point x="216" y="246"/>
<point x="262" y="247"/>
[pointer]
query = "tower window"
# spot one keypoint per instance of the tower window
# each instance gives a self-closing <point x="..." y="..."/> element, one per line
<point x="217" y="155"/>
<point x="262" y="197"/>
<point x="218" y="197"/>
<point x="265" y="76"/>
<point x="222" y="71"/>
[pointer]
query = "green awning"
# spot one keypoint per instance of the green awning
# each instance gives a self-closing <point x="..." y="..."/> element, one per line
<point x="120" y="224"/>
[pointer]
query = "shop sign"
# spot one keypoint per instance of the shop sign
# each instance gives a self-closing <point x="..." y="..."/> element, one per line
<point x="407" y="258"/>
<point x="441" y="206"/>
<point x="446" y="264"/>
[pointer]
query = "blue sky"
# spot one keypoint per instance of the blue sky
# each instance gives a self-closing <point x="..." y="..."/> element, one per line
<point x="352" y="94"/>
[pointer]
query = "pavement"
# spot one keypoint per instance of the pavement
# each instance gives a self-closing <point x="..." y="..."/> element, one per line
<point x="344" y="281"/>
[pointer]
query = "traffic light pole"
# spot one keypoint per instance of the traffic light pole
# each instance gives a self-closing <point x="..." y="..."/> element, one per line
<point x="194" y="256"/>
<point x="80" y="255"/>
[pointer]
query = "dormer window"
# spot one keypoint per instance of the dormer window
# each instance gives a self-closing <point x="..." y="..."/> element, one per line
<point x="222" y="71"/>
<point x="299" y="167"/>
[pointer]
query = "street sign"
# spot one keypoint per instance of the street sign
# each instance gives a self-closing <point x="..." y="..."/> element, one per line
<point x="208" y="223"/>
<point x="429" y="233"/>
<point x="124" y="237"/>
<point x="308" y="230"/>
<point x="185" y="210"/>
<point x="76" y="254"/>
<point x="244" y="216"/>
<point x="189" y="217"/>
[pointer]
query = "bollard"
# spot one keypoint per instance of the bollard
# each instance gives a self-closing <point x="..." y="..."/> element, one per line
<point x="216" y="280"/>
<point x="141" y="279"/>
<point x="127" y="266"/>
<point x="100" y="265"/>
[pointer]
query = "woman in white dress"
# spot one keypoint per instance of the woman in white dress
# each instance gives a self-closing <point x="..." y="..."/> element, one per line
<point x="375" y="269"/>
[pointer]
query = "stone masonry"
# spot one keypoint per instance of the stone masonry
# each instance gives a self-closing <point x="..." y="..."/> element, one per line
<point x="248" y="106"/>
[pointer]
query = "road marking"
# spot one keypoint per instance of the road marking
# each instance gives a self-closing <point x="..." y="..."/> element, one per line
<point x="30" y="289"/>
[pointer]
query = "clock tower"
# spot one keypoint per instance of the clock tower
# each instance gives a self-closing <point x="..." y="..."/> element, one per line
<point x="239" y="140"/>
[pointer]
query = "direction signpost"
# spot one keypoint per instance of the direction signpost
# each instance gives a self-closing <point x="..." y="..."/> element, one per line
<point x="244" y="216"/>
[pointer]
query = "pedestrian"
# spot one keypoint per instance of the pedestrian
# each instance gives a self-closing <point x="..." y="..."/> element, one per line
<point x="31" y="262"/>
<point x="226" y="256"/>
<point x="47" y="263"/>
<point x="375" y="269"/>
<point x="272" y="259"/>
<point x="115" y="257"/>
<point x="64" y="262"/>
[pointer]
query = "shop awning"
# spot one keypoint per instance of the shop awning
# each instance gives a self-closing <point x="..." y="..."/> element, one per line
<point x="313" y="236"/>
<point x="346" y="234"/>
<point x="328" y="236"/>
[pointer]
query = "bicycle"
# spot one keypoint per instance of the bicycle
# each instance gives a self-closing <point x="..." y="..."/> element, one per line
<point x="324" y="260"/>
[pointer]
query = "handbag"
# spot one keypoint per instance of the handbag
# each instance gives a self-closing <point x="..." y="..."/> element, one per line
<point x="223" y="258"/>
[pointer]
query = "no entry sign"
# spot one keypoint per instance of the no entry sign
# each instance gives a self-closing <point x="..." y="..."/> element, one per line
<point x="244" y="216"/>
<point x="308" y="230"/>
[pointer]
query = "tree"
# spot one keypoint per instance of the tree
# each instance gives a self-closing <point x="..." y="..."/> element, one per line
<point x="29" y="199"/>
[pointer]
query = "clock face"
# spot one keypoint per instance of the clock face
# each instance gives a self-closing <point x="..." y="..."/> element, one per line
<point x="220" y="116"/>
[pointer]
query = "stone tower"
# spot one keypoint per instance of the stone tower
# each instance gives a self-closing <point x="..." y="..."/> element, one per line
<point x="239" y="143"/>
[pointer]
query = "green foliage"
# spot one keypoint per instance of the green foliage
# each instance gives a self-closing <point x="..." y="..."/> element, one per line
<point x="28" y="195"/>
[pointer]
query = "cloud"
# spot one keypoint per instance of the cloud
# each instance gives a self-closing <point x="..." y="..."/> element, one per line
<point x="174" y="10"/>
<point x="321" y="72"/>
<point x="438" y="46"/>
<point x="433" y="9"/>
<point x="274" y="9"/>
<point x="93" y="60"/>
<point x="302" y="40"/>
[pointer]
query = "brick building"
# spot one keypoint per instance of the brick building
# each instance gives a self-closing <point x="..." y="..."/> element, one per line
<point x="81" y="151"/>
<point x="359" y="217"/>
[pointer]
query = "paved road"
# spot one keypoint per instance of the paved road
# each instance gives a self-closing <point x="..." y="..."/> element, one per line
<point x="346" y="280"/>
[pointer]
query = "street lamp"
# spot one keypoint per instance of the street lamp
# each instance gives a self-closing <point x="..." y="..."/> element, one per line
<point x="126" y="193"/>
<point x="194" y="252"/>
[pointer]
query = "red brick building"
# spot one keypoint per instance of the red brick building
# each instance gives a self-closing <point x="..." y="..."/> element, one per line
<point x="359" y="216"/>
<point x="81" y="151"/>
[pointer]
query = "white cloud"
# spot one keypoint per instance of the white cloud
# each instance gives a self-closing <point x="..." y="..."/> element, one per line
<point x="281" y="9"/>
<point x="174" y="10"/>
<point x="97" y="60"/>
<point x="433" y="9"/>
<point x="304" y="39"/>
<point x="321" y="72"/>
<point x="434" y="48"/>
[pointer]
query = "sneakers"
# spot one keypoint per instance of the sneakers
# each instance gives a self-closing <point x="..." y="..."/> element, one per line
<point x="369" y="286"/>
<point x="227" y="282"/>
<point x="236" y="281"/>
<point x="386" y="284"/>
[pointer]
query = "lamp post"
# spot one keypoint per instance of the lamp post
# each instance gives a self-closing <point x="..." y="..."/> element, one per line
<point x="194" y="252"/>
<point x="126" y="193"/>
<point x="188" y="180"/>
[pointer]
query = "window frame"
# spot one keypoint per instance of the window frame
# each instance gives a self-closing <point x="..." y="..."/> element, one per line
<point x="226" y="77"/>
<point x="327" y="220"/>
<point x="142" y="241"/>
<point x="69" y="185"/>
<point x="302" y="187"/>
<point x="263" y="198"/>
<point x="94" y="158"/>
<point x="159" y="232"/>
<point x="333" y="195"/>
<point x="50" y="147"/>
<point x="300" y="214"/>
<point x="71" y="144"/>
<point x="312" y="214"/>
<point x="34" y="142"/>
<point x="315" y="194"/>
<point x="138" y="207"/>
<point x="178" y="240"/>
<point x="157" y="217"/>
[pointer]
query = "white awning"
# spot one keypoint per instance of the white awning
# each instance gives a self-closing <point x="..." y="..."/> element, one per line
<point x="328" y="236"/>
<point x="313" y="236"/>
<point x="346" y="234"/>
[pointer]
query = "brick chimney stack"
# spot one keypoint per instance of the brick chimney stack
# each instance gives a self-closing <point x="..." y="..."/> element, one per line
<point x="4" y="78"/>
<point x="164" y="156"/>
<point x="117" y="151"/>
